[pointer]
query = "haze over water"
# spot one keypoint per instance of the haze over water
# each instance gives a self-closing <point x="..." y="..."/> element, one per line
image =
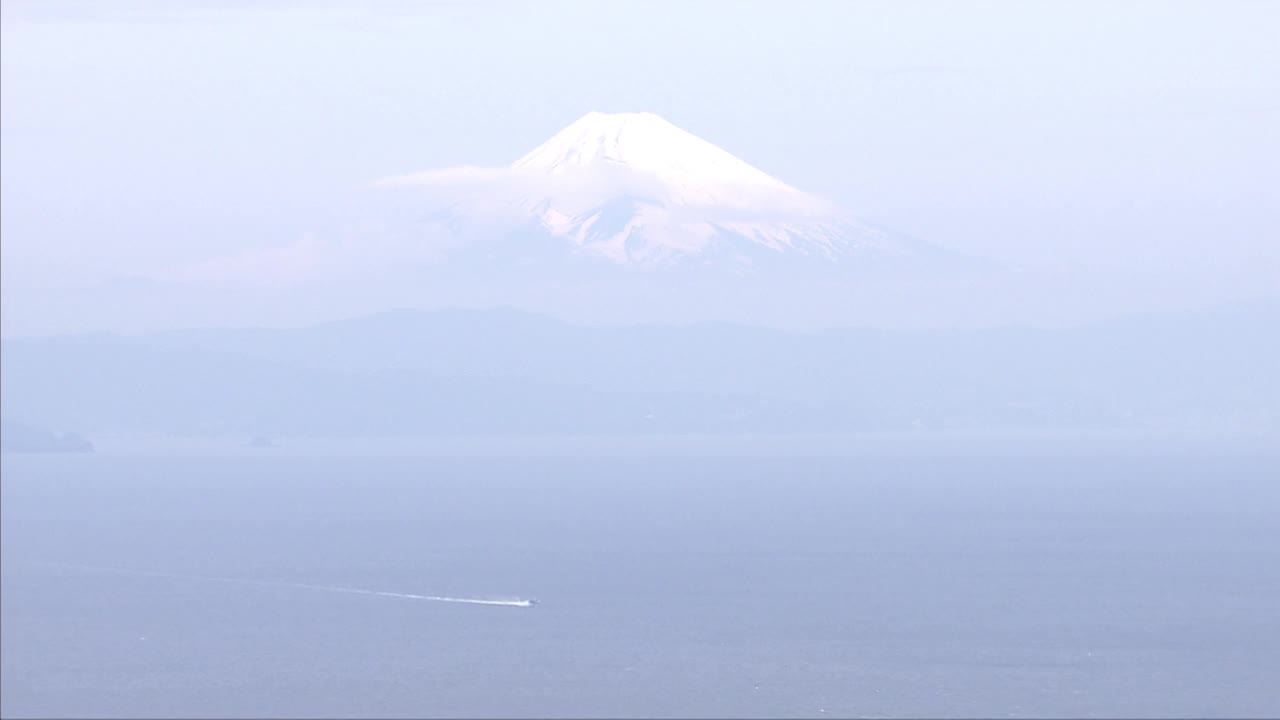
<point x="587" y="359"/>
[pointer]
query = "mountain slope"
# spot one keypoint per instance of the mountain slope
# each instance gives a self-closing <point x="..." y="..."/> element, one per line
<point x="633" y="189"/>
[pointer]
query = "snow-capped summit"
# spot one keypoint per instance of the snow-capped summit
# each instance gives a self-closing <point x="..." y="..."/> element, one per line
<point x="643" y="142"/>
<point x="635" y="189"/>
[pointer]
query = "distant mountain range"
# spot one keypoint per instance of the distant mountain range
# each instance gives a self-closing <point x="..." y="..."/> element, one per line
<point x="500" y="371"/>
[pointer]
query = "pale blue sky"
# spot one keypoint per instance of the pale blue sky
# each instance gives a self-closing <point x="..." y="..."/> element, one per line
<point x="1135" y="136"/>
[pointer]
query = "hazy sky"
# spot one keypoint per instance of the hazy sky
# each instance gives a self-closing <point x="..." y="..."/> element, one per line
<point x="1136" y="137"/>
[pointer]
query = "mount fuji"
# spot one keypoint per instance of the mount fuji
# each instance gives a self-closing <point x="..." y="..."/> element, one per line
<point x="633" y="189"/>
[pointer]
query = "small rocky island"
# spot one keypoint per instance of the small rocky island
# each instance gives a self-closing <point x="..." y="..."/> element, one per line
<point x="19" y="437"/>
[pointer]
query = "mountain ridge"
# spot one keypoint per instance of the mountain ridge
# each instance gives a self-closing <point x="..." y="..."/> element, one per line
<point x="408" y="372"/>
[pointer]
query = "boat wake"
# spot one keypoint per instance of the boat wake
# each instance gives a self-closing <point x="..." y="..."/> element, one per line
<point x="298" y="586"/>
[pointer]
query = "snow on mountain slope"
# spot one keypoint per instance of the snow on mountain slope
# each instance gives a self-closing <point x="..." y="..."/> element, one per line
<point x="645" y="143"/>
<point x="635" y="189"/>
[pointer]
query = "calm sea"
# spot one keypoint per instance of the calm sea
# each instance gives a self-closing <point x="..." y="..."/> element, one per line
<point x="991" y="576"/>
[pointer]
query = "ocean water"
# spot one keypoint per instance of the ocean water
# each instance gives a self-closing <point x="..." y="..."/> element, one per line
<point x="991" y="576"/>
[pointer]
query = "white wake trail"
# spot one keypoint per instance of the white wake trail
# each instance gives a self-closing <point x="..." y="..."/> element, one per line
<point x="299" y="586"/>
